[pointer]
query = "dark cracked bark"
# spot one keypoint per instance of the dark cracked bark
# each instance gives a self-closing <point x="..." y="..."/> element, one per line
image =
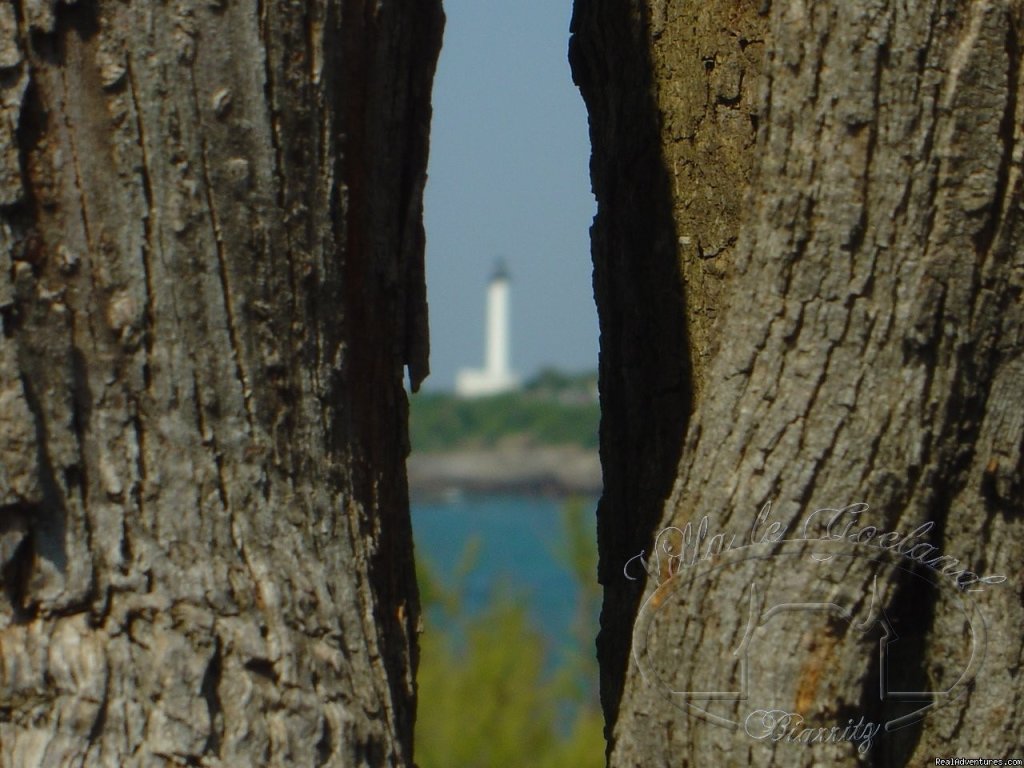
<point x="668" y="102"/>
<point x="211" y="284"/>
<point x="868" y="347"/>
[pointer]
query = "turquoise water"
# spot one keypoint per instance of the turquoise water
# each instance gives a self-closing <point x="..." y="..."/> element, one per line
<point x="520" y="540"/>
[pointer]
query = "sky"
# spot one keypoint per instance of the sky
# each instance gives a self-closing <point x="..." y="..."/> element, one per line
<point x="508" y="178"/>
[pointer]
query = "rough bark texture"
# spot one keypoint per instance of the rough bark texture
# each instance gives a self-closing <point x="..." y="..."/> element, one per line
<point x="869" y="349"/>
<point x="210" y="284"/>
<point x="673" y="116"/>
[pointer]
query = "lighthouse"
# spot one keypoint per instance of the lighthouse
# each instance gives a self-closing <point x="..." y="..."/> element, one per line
<point x="496" y="376"/>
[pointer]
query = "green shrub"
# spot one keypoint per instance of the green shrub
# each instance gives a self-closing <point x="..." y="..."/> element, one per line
<point x="439" y="422"/>
<point x="486" y="696"/>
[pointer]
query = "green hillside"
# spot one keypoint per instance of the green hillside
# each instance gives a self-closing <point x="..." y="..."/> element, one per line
<point x="552" y="409"/>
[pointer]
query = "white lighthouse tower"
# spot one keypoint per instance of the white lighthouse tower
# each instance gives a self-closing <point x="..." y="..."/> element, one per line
<point x="496" y="376"/>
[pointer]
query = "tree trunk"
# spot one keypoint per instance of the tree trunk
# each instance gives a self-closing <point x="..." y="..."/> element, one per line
<point x="211" y="280"/>
<point x="840" y="185"/>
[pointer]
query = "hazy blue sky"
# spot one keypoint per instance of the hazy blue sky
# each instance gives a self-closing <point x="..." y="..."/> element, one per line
<point x="508" y="177"/>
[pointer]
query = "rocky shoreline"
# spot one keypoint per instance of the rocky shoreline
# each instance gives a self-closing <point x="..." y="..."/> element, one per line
<point x="532" y="470"/>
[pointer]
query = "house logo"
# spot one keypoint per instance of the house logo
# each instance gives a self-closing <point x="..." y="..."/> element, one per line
<point x="811" y="608"/>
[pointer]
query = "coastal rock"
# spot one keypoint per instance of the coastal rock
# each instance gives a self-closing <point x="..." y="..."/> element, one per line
<point x="542" y="470"/>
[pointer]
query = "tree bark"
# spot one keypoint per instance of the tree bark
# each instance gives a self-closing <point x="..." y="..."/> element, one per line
<point x="866" y="347"/>
<point x="673" y="117"/>
<point x="211" y="281"/>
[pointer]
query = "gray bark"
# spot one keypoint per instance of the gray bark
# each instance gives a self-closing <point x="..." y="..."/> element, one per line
<point x="672" y="121"/>
<point x="211" y="281"/>
<point x="868" y="348"/>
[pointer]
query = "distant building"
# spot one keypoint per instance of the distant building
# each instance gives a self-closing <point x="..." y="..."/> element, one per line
<point x="496" y="376"/>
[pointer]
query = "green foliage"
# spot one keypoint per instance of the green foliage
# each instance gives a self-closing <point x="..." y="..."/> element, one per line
<point x="546" y="415"/>
<point x="565" y="386"/>
<point x="486" y="697"/>
<point x="580" y="559"/>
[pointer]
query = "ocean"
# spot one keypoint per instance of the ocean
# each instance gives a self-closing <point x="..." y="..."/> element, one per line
<point x="521" y="544"/>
